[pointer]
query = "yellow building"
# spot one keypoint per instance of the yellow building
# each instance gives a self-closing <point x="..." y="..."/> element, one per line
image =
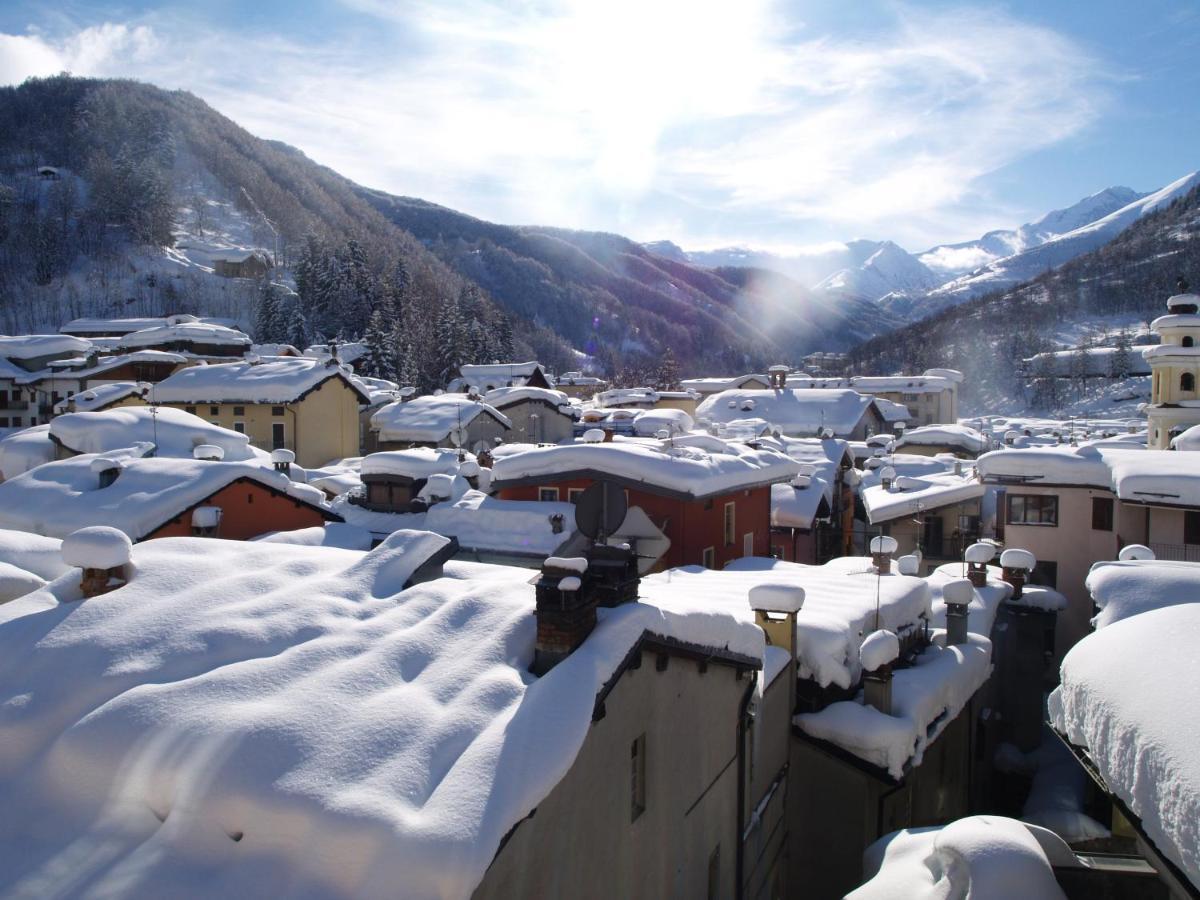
<point x="1174" y="370"/>
<point x="308" y="406"/>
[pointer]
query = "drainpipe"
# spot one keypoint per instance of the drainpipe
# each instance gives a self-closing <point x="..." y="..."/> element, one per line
<point x="740" y="864"/>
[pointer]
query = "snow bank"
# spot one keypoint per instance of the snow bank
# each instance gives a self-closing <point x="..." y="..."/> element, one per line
<point x="40" y="555"/>
<point x="976" y="858"/>
<point x="173" y="433"/>
<point x="245" y="719"/>
<point x="688" y="470"/>
<point x="1127" y="695"/>
<point x="1127" y="588"/>
<point x="431" y="419"/>
<point x="341" y="535"/>
<point x="15" y="582"/>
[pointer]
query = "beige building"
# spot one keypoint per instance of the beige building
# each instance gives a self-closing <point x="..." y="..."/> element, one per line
<point x="308" y="406"/>
<point x="1174" y="368"/>
<point x="938" y="514"/>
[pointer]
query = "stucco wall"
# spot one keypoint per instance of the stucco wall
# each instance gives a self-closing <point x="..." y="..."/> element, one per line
<point x="247" y="510"/>
<point x="550" y="426"/>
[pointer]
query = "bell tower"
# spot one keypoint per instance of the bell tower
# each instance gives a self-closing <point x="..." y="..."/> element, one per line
<point x="1175" y="369"/>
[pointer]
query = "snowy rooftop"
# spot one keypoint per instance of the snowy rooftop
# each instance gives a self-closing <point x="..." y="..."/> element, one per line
<point x="32" y="346"/>
<point x="102" y="395"/>
<point x="60" y="497"/>
<point x="1127" y="695"/>
<point x="908" y="495"/>
<point x="892" y="412"/>
<point x="692" y="471"/>
<point x="22" y="450"/>
<point x="649" y="422"/>
<point x="795" y="506"/>
<point x="794" y="412"/>
<point x="172" y="432"/>
<point x="961" y="436"/>
<point x="278" y="379"/>
<point x="502" y="397"/>
<point x="431" y="418"/>
<point x="417" y="462"/>
<point x="1124" y="588"/>
<point x="491" y="371"/>
<point x="713" y="383"/>
<point x="80" y="369"/>
<point x="186" y="332"/>
<point x="297" y="700"/>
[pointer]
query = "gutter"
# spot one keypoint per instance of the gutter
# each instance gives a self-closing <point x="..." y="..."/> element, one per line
<point x="740" y="865"/>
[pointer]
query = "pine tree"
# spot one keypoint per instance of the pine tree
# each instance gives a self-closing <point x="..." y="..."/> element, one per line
<point x="667" y="377"/>
<point x="1119" y="364"/>
<point x="478" y="343"/>
<point x="379" y="360"/>
<point x="268" y="322"/>
<point x="502" y="344"/>
<point x="406" y="366"/>
<point x="298" y="334"/>
<point x="449" y="343"/>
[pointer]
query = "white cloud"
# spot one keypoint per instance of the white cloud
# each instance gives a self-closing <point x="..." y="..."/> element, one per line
<point x="631" y="114"/>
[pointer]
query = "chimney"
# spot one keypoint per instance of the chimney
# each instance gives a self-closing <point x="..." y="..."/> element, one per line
<point x="103" y="553"/>
<point x="957" y="595"/>
<point x="1017" y="564"/>
<point x="282" y="460"/>
<point x="106" y="470"/>
<point x="977" y="557"/>
<point x="777" y="377"/>
<point x="882" y="548"/>
<point x="469" y="470"/>
<point x="886" y="476"/>
<point x="775" y="606"/>
<point x="608" y="435"/>
<point x="878" y="652"/>
<point x="568" y="592"/>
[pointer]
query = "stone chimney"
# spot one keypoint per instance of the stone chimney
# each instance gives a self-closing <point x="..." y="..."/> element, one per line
<point x="882" y="548"/>
<point x="777" y="377"/>
<point x="1017" y="564"/>
<point x="879" y="651"/>
<point x="957" y="595"/>
<point x="608" y="435"/>
<point x="977" y="557"/>
<point x="282" y="460"/>
<point x="775" y="608"/>
<point x="103" y="553"/>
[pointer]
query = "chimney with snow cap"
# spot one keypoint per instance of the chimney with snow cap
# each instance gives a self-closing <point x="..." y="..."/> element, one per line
<point x="566" y="614"/>
<point x="777" y="377"/>
<point x="776" y="605"/>
<point x="886" y="476"/>
<point x="908" y="565"/>
<point x="957" y="595"/>
<point x="282" y="460"/>
<point x="1135" y="552"/>
<point x="882" y="548"/>
<point x="103" y="553"/>
<point x="879" y="650"/>
<point x="977" y="557"/>
<point x="1017" y="564"/>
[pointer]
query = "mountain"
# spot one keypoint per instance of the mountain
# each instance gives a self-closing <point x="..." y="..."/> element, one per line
<point x="890" y="270"/>
<point x="1126" y="276"/>
<point x="955" y="260"/>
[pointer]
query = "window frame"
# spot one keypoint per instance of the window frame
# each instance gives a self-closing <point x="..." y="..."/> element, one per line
<point x="1103" y="513"/>
<point x="547" y="494"/>
<point x="1047" y="510"/>
<point x="708" y="557"/>
<point x="729" y="522"/>
<point x="637" y="777"/>
<point x="280" y="442"/>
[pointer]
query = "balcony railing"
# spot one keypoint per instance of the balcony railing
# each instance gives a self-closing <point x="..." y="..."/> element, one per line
<point x="1176" y="552"/>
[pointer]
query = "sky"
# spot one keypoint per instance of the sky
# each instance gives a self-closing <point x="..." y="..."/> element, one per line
<point x="774" y="125"/>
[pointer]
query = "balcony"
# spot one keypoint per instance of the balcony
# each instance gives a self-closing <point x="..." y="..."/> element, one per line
<point x="1176" y="552"/>
<point x="15" y="405"/>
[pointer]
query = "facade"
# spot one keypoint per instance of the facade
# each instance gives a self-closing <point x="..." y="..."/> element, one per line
<point x="938" y="514"/>
<point x="443" y="420"/>
<point x="250" y="265"/>
<point x="1174" y="367"/>
<point x="578" y="385"/>
<point x="304" y="405"/>
<point x="536" y="415"/>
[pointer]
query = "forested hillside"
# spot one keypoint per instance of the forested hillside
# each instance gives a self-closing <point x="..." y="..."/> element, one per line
<point x="987" y="338"/>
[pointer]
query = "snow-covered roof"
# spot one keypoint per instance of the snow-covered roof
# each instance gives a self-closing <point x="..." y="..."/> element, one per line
<point x="431" y="418"/>
<point x="489" y="371"/>
<point x="79" y="369"/>
<point x="892" y="411"/>
<point x="713" y="383"/>
<point x="298" y="699"/>
<point x="172" y="432"/>
<point x="1127" y="696"/>
<point x="908" y="495"/>
<point x="1189" y="440"/>
<point x="22" y="450"/>
<point x="655" y="466"/>
<point x="795" y="506"/>
<point x="101" y="395"/>
<point x="187" y="332"/>
<point x="414" y="463"/>
<point x="506" y="396"/>
<point x="968" y="439"/>
<point x="974" y="858"/>
<point x="1058" y="464"/>
<point x="86" y="325"/>
<point x="1125" y="588"/>
<point x="279" y="379"/>
<point x="649" y="422"/>
<point x="32" y="346"/>
<point x="60" y="497"/>
<point x="626" y="397"/>
<point x="906" y="384"/>
<point x="793" y="411"/>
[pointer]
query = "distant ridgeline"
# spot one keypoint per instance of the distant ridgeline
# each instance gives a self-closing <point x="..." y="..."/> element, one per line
<point x="991" y="339"/>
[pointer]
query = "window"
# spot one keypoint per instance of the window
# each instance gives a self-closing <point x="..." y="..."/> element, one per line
<point x="1032" y="509"/>
<point x="1187" y="382"/>
<point x="1102" y="514"/>
<point x="748" y="544"/>
<point x="239" y="410"/>
<point x="548" y="495"/>
<point x="190" y="409"/>
<point x="214" y="410"/>
<point x="573" y="494"/>
<point x="239" y="427"/>
<point x="1191" y="526"/>
<point x="277" y="436"/>
<point x="730" y="524"/>
<point x="637" y="778"/>
<point x="3" y="422"/>
<point x="277" y="410"/>
<point x="708" y="558"/>
<point x="714" y="874"/>
<point x="1189" y="341"/>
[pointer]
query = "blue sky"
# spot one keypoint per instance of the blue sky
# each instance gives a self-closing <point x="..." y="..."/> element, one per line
<point x="781" y="125"/>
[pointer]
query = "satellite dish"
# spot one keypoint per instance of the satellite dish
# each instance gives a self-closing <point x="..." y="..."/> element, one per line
<point x="600" y="510"/>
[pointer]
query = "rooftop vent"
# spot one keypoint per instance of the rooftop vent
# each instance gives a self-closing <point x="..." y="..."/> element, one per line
<point x="208" y="452"/>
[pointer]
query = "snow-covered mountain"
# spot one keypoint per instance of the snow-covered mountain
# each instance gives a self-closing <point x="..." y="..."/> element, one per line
<point x="955" y="260"/>
<point x="1050" y="254"/>
<point x="889" y="270"/>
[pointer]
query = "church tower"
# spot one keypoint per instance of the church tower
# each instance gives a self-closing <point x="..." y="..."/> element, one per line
<point x="1175" y="370"/>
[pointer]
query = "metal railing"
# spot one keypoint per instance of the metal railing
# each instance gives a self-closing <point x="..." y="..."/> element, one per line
<point x="1176" y="552"/>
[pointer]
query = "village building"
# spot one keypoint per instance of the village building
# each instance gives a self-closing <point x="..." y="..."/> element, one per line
<point x="579" y="386"/>
<point x="710" y="499"/>
<point x="104" y="396"/>
<point x="153" y="497"/>
<point x="704" y="387"/>
<point x="933" y="440"/>
<point x="439" y="420"/>
<point x="253" y="264"/>
<point x="482" y="378"/>
<point x="196" y="340"/>
<point x="812" y="515"/>
<point x="304" y="405"/>
<point x="62" y="379"/>
<point x="22" y="359"/>
<point x="1175" y="366"/>
<point x="795" y="412"/>
<point x="93" y="328"/>
<point x="937" y="515"/>
<point x="536" y="415"/>
<point x="930" y="399"/>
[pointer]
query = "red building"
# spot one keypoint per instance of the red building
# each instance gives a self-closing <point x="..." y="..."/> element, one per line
<point x="712" y="500"/>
